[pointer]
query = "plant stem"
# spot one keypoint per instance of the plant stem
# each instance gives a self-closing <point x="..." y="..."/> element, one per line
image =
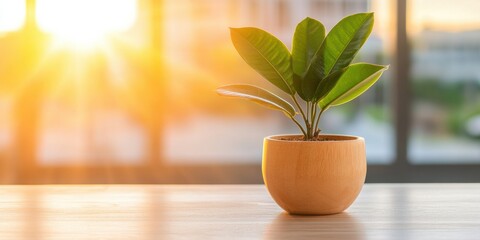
<point x="314" y="115"/>
<point x="318" y="119"/>
<point x="299" y="126"/>
<point x="301" y="111"/>
<point x="309" y="121"/>
<point x="308" y="111"/>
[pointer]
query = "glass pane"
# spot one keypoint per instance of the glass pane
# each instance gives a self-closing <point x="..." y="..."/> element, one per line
<point x="6" y="137"/>
<point x="70" y="106"/>
<point x="89" y="136"/>
<point x="89" y="113"/>
<point x="445" y="37"/>
<point x="6" y="125"/>
<point x="203" y="127"/>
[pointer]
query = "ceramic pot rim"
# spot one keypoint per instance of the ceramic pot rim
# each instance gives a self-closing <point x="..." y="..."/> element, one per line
<point x="337" y="137"/>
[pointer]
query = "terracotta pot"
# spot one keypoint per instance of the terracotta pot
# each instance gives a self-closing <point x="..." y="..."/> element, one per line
<point x="314" y="177"/>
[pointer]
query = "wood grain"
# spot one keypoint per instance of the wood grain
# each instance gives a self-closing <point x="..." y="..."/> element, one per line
<point x="382" y="211"/>
<point x="314" y="177"/>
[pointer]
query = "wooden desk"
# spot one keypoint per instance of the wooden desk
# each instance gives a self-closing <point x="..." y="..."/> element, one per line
<point x="383" y="211"/>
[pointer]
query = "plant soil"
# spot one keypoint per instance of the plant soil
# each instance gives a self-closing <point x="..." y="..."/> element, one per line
<point x="302" y="139"/>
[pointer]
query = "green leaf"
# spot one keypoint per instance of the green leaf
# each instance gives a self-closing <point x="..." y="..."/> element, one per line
<point x="338" y="50"/>
<point x="344" y="40"/>
<point x="356" y="79"/>
<point x="328" y="84"/>
<point x="266" y="54"/>
<point x="297" y="84"/>
<point x="257" y="95"/>
<point x="307" y="39"/>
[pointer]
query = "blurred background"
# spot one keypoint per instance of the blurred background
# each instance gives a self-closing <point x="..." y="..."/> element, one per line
<point x="122" y="91"/>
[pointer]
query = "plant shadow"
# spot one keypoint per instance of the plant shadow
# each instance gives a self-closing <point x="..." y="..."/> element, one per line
<point x="337" y="226"/>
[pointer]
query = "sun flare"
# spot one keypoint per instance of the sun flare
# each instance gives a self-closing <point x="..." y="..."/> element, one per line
<point x="12" y="15"/>
<point x="84" y="23"/>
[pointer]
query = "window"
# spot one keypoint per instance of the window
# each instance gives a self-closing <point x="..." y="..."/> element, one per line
<point x="127" y="95"/>
<point x="206" y="128"/>
<point x="76" y="92"/>
<point x="445" y="82"/>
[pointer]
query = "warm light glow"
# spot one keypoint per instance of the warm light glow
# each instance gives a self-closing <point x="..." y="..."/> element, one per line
<point x="85" y="22"/>
<point x="443" y="15"/>
<point x="12" y="15"/>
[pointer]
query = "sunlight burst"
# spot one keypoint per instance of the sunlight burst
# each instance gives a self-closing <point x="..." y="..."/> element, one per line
<point x="12" y="15"/>
<point x="84" y="23"/>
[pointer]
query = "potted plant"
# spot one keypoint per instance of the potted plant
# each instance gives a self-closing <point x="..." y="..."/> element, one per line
<point x="311" y="173"/>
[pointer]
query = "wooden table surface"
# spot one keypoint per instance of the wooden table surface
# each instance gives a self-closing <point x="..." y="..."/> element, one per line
<point x="382" y="211"/>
